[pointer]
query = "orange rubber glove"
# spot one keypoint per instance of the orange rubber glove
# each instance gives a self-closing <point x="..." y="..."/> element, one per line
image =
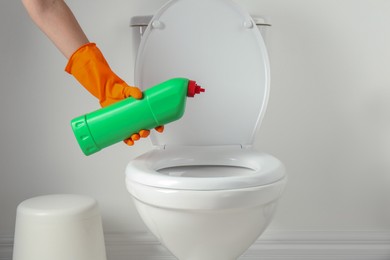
<point x="90" y="68"/>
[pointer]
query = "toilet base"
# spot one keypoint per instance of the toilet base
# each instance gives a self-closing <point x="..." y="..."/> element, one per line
<point x="207" y="235"/>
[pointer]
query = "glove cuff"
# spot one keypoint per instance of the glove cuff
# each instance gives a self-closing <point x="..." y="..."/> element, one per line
<point x="79" y="53"/>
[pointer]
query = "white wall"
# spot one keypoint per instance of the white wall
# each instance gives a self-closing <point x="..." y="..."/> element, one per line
<point x="328" y="116"/>
<point x="39" y="155"/>
<point x="329" y="112"/>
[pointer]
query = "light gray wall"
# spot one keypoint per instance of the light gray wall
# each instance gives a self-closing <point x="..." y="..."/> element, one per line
<point x="328" y="118"/>
<point x="329" y="111"/>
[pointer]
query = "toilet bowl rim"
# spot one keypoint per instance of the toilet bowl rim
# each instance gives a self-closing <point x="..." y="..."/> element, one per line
<point x="144" y="169"/>
<point x="193" y="200"/>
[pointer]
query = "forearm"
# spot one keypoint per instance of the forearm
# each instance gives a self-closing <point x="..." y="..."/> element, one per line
<point x="57" y="21"/>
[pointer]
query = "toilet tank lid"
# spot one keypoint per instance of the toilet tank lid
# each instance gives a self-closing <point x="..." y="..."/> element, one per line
<point x="217" y="44"/>
<point x="142" y="20"/>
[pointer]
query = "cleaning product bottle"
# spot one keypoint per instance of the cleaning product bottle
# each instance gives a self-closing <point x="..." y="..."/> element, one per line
<point x="160" y="105"/>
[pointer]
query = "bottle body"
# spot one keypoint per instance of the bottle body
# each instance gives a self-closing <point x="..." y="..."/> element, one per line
<point x="160" y="105"/>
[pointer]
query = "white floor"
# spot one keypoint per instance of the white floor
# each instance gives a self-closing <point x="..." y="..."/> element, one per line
<point x="292" y="245"/>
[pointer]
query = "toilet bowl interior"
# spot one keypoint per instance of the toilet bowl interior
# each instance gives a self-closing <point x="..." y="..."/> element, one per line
<point x="206" y="171"/>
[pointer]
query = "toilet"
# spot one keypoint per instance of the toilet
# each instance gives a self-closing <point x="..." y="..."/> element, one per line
<point x="203" y="190"/>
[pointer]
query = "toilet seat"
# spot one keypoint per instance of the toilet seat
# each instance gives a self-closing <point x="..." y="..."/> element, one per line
<point x="205" y="168"/>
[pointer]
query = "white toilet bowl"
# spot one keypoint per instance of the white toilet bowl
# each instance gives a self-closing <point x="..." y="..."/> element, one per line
<point x="203" y="191"/>
<point x="206" y="203"/>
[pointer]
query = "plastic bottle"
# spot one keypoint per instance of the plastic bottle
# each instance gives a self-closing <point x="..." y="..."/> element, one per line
<point x="160" y="105"/>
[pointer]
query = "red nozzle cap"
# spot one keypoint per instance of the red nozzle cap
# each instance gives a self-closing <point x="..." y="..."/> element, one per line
<point x="194" y="89"/>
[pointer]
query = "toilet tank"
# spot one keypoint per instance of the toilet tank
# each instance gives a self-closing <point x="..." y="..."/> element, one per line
<point x="138" y="25"/>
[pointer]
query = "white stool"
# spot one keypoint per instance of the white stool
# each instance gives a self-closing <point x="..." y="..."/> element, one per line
<point x="59" y="227"/>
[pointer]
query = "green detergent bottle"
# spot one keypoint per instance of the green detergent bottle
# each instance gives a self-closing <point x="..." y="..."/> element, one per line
<point x="160" y="105"/>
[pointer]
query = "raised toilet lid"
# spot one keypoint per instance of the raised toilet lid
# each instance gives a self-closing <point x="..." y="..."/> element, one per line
<point x="217" y="44"/>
